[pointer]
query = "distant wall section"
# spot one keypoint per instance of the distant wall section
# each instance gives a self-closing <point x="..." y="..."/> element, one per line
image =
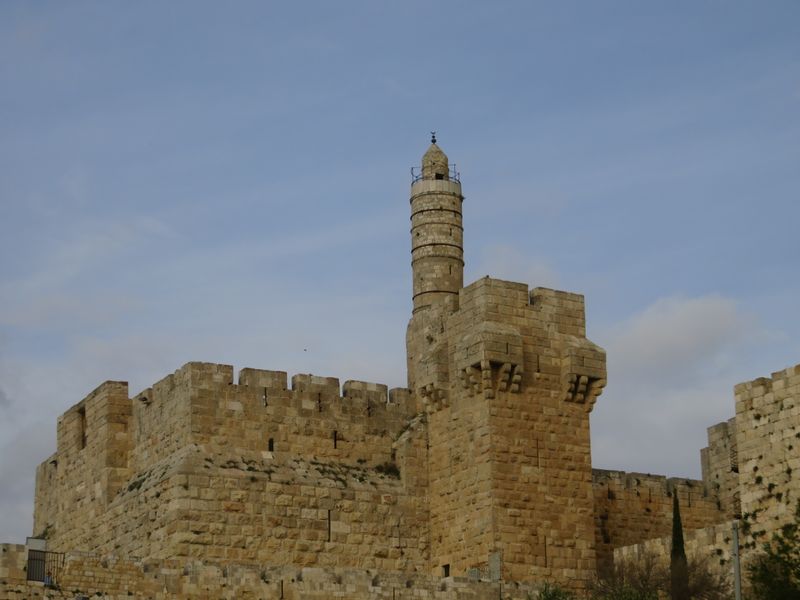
<point x="633" y="507"/>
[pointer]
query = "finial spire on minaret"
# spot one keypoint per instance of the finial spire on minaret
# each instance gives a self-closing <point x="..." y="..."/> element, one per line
<point x="433" y="137"/>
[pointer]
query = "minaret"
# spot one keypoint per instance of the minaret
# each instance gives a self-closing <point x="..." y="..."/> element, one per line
<point x="437" y="235"/>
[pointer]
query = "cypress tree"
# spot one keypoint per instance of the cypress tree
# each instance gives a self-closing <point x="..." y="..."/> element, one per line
<point x="678" y="566"/>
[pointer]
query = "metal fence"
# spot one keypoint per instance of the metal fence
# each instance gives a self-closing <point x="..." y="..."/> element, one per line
<point x="45" y="566"/>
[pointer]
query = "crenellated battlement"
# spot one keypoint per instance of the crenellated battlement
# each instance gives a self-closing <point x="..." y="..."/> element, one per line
<point x="647" y="483"/>
<point x="110" y="445"/>
<point x="197" y="390"/>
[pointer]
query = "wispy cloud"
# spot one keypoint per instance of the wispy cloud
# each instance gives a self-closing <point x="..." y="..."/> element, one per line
<point x="672" y="367"/>
<point x="84" y="248"/>
<point x="20" y="452"/>
<point x="678" y="339"/>
<point x="68" y="310"/>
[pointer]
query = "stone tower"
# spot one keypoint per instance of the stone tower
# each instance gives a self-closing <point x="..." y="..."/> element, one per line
<point x="437" y="253"/>
<point x="507" y="379"/>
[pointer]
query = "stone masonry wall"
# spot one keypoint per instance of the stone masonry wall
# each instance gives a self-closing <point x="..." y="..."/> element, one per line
<point x="508" y="380"/>
<point x="712" y="545"/>
<point x="90" y="464"/>
<point x="633" y="507"/>
<point x="720" y="465"/>
<point x="98" y="578"/>
<point x="460" y="476"/>
<point x="768" y="439"/>
<point x="247" y="472"/>
<point x="541" y="442"/>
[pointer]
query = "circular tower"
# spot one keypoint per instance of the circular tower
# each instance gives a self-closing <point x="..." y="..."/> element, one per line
<point x="437" y="235"/>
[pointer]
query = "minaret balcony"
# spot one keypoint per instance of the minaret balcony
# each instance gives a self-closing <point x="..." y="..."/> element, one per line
<point x="418" y="174"/>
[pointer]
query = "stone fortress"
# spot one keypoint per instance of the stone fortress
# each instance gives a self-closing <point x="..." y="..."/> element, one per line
<point x="474" y="482"/>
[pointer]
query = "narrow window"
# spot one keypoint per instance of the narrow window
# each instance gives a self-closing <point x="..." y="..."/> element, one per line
<point x="446" y="570"/>
<point x="319" y="402"/>
<point x="335" y="437"/>
<point x="82" y="427"/>
<point x="329" y="525"/>
<point x="271" y="445"/>
<point x="264" y="397"/>
<point x="439" y="176"/>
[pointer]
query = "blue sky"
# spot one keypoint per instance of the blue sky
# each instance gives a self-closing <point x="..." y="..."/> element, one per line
<point x="228" y="182"/>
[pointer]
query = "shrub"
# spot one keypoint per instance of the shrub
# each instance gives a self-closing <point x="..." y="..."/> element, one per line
<point x="639" y="579"/>
<point x="553" y="592"/>
<point x="775" y="574"/>
<point x="648" y="578"/>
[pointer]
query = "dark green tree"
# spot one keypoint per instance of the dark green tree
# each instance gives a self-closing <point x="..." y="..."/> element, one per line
<point x="775" y="574"/>
<point x="678" y="565"/>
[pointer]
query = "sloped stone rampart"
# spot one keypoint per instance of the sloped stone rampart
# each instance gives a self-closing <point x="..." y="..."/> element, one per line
<point x="99" y="578"/>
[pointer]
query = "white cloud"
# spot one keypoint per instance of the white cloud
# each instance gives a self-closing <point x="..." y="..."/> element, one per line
<point x="688" y="336"/>
<point x="672" y="368"/>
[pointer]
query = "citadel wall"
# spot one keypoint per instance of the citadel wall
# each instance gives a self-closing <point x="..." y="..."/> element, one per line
<point x="98" y="578"/>
<point x="508" y="380"/>
<point x="768" y="441"/>
<point x="541" y="447"/>
<point x="720" y="466"/>
<point x="633" y="507"/>
<point x="753" y="458"/>
<point x="710" y="546"/>
<point x="90" y="464"/>
<point x="252" y="471"/>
